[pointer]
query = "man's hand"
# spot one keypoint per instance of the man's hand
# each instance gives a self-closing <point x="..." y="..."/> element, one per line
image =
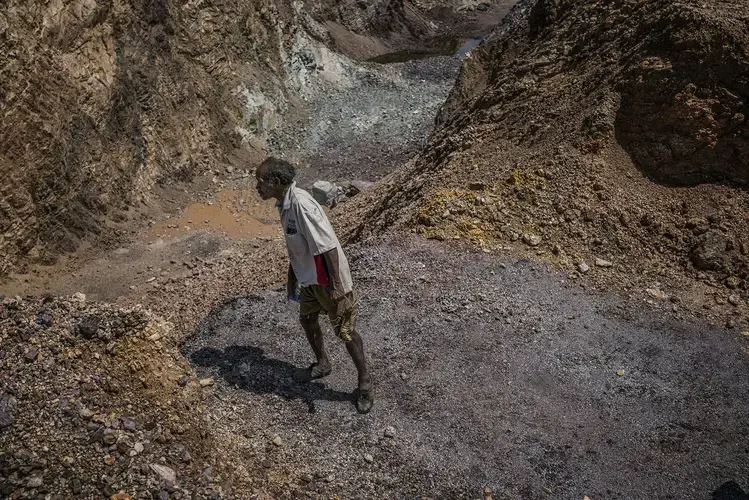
<point x="337" y="294"/>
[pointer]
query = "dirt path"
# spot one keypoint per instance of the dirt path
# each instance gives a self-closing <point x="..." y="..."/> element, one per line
<point x="490" y="372"/>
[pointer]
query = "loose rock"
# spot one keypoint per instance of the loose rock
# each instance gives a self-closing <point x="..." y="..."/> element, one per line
<point x="166" y="473"/>
<point x="532" y="240"/>
<point x="35" y="482"/>
<point x="732" y="282"/>
<point x="656" y="293"/>
<point x="31" y="355"/>
<point x="7" y="410"/>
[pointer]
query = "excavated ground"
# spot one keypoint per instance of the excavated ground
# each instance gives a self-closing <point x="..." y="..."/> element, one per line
<point x="492" y="371"/>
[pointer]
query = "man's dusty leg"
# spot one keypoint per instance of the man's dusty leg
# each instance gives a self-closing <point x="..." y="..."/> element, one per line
<point x="355" y="348"/>
<point x="314" y="334"/>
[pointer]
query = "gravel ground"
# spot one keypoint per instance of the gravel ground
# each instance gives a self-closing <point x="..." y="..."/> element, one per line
<point x="367" y="130"/>
<point x="491" y="372"/>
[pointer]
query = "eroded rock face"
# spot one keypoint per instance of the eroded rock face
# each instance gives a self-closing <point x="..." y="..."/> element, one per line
<point x="104" y="99"/>
<point x="683" y="110"/>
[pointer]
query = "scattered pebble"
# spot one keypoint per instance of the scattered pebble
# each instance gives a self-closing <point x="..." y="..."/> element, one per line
<point x="31" y="355"/>
<point x="656" y="293"/>
<point x="166" y="473"/>
<point x="532" y="240"/>
<point x="35" y="482"/>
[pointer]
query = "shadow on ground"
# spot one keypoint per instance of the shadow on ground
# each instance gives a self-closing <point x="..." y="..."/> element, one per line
<point x="248" y="368"/>
<point x="730" y="490"/>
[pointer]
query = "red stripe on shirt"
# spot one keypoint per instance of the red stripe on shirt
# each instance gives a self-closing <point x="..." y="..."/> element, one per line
<point x="322" y="271"/>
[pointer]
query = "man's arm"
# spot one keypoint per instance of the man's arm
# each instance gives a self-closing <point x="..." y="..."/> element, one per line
<point x="290" y="282"/>
<point x="331" y="259"/>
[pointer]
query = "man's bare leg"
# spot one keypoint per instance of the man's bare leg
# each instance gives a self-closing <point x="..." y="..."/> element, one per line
<point x="355" y="348"/>
<point x="314" y="334"/>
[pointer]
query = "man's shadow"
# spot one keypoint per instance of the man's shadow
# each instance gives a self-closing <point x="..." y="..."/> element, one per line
<point x="248" y="368"/>
<point x="730" y="490"/>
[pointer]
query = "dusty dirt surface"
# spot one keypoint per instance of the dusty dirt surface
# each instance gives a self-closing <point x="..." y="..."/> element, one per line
<point x="490" y="372"/>
<point x="169" y="250"/>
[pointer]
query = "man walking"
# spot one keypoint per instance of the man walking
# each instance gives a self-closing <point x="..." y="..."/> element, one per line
<point x="318" y="264"/>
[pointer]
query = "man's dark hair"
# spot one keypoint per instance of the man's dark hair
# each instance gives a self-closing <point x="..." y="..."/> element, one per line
<point x="280" y="170"/>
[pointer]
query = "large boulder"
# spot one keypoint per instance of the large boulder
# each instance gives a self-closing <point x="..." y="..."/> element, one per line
<point x="327" y="193"/>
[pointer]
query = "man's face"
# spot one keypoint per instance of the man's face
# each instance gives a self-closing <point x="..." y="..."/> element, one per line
<point x="264" y="188"/>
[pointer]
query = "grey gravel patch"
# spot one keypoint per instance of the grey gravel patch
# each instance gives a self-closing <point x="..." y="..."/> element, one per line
<point x="513" y="384"/>
<point x="366" y="131"/>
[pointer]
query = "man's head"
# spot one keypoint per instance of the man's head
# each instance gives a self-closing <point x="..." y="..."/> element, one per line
<point x="274" y="176"/>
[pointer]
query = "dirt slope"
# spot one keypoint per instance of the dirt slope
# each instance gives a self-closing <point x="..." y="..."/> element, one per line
<point x="84" y="394"/>
<point x="611" y="132"/>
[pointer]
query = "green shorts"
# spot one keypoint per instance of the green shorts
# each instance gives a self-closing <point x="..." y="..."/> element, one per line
<point x="342" y="314"/>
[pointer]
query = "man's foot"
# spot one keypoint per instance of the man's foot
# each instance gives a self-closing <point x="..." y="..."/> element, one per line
<point x="365" y="399"/>
<point x="315" y="371"/>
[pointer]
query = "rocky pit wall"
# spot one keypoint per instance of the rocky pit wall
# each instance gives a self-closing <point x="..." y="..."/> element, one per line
<point x="594" y="132"/>
<point x="102" y="100"/>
